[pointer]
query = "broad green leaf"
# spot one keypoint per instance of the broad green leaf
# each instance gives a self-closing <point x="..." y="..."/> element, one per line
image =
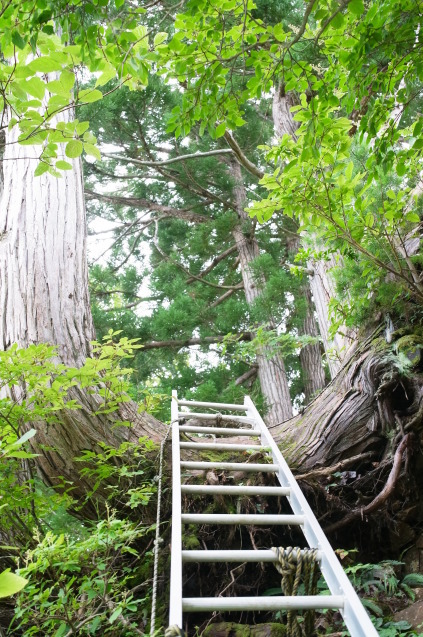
<point x="356" y="7"/>
<point x="18" y="40"/>
<point x="220" y="130"/>
<point x="67" y="78"/>
<point x="89" y="95"/>
<point x="160" y="37"/>
<point x="63" y="165"/>
<point x="109" y="73"/>
<point x="113" y="617"/>
<point x="81" y="127"/>
<point x="44" y="64"/>
<point x="10" y="583"/>
<point x="35" y="87"/>
<point x="92" y="150"/>
<point x="74" y="148"/>
<point x="41" y="169"/>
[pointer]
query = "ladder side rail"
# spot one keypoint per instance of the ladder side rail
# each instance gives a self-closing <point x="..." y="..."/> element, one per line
<point x="355" y="617"/>
<point x="175" y="605"/>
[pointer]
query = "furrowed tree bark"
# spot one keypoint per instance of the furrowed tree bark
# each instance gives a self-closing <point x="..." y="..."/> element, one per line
<point x="271" y="369"/>
<point x="44" y="298"/>
<point x="310" y="355"/>
<point x="321" y="284"/>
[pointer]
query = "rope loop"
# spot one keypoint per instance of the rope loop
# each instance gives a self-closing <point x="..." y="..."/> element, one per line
<point x="174" y="631"/>
<point x="295" y="564"/>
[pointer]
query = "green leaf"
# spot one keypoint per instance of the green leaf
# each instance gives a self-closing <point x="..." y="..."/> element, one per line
<point x="401" y="170"/>
<point x="18" y="40"/>
<point x="62" y="630"/>
<point x="41" y="169"/>
<point x="89" y="95"/>
<point x="109" y="73"/>
<point x="67" y="79"/>
<point x="160" y="37"/>
<point x="81" y="127"/>
<point x="44" y="64"/>
<point x="92" y="150"/>
<point x="63" y="165"/>
<point x="412" y="216"/>
<point x="356" y="7"/>
<point x="220" y="130"/>
<point x="113" y="617"/>
<point x="35" y="87"/>
<point x="74" y="148"/>
<point x="10" y="583"/>
<point x="415" y="580"/>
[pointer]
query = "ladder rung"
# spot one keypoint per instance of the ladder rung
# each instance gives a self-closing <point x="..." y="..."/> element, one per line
<point x="241" y="518"/>
<point x="297" y="602"/>
<point x="193" y="414"/>
<point x="265" y="555"/>
<point x="230" y="466"/>
<point x="210" y="489"/>
<point x="225" y="431"/>
<point x="217" y="446"/>
<point x="196" y="403"/>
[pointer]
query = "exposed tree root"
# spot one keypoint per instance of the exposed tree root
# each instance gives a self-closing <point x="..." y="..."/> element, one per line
<point x="376" y="503"/>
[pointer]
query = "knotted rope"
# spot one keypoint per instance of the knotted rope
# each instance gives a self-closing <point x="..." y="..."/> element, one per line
<point x="295" y="564"/>
<point x="174" y="631"/>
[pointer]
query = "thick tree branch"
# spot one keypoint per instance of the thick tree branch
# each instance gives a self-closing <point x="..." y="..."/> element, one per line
<point x="250" y="375"/>
<point x="187" y="342"/>
<point x="220" y="257"/>
<point x="135" y="202"/>
<point x="166" y="162"/>
<point x="243" y="160"/>
<point x="225" y="296"/>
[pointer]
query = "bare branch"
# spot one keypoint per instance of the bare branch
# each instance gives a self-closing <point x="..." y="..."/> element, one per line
<point x="166" y="162"/>
<point x="225" y="296"/>
<point x="220" y="257"/>
<point x="250" y="375"/>
<point x="243" y="160"/>
<point x="188" y="342"/>
<point x="136" y="202"/>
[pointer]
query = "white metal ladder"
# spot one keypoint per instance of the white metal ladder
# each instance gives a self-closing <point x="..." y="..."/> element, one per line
<point x="343" y="596"/>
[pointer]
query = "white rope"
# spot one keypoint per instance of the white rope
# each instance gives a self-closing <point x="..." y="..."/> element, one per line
<point x="158" y="540"/>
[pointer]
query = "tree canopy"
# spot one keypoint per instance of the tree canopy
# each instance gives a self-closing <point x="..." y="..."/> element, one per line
<point x="256" y="169"/>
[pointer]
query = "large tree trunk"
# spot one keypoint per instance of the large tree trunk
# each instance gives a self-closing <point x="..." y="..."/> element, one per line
<point x="321" y="283"/>
<point x="310" y="355"/>
<point x="44" y="299"/>
<point x="271" y="369"/>
<point x="322" y="287"/>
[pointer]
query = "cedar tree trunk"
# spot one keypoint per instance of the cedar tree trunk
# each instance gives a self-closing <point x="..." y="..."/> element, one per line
<point x="321" y="284"/>
<point x="271" y="369"/>
<point x="44" y="299"/>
